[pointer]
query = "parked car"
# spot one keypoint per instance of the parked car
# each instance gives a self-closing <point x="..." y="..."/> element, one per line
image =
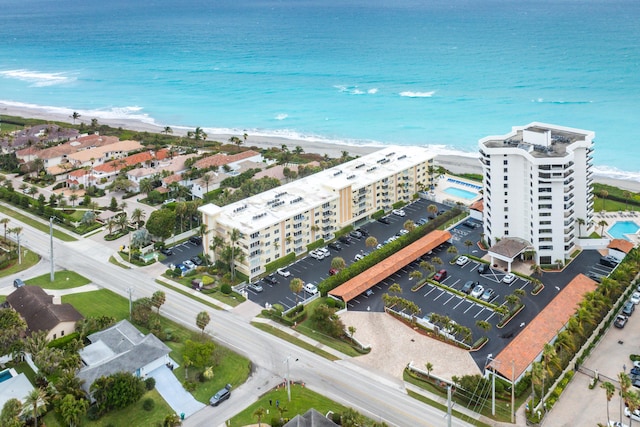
<point x="488" y="295"/>
<point x="484" y="269"/>
<point x="468" y="287"/>
<point x="335" y="246"/>
<point x="398" y="212"/>
<point x="608" y="261"/>
<point x="440" y="275"/>
<point x="422" y="221"/>
<point x="635" y="298"/>
<point x="221" y="396"/>
<point x="166" y="251"/>
<point x="196" y="260"/>
<point x="384" y="220"/>
<point x="477" y="291"/>
<point x="462" y="260"/>
<point x="358" y="257"/>
<point x="317" y="254"/>
<point x="324" y="251"/>
<point x="18" y="283"/>
<point x="333" y="272"/>
<point x="616" y="424"/>
<point x="470" y="224"/>
<point x="628" y="308"/>
<point x="356" y="234"/>
<point x="271" y="279"/>
<point x="283" y="272"/>
<point x="635" y="371"/>
<point x="189" y="264"/>
<point x="362" y="231"/>
<point x="196" y="240"/>
<point x="311" y="288"/>
<point x="508" y="278"/>
<point x="368" y="292"/>
<point x="402" y="232"/>
<point x="255" y="287"/>
<point x="345" y="239"/>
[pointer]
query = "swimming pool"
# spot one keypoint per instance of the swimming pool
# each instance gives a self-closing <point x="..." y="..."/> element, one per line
<point x="465" y="184"/>
<point x="460" y="193"/>
<point x="5" y="375"/>
<point x="620" y="228"/>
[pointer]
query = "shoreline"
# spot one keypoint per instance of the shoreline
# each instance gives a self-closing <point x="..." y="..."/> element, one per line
<point x="456" y="162"/>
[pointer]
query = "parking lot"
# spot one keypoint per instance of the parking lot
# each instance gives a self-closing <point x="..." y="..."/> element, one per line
<point x="182" y="252"/>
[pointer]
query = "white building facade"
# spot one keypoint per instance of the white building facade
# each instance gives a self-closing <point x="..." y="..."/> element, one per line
<point x="287" y="219"/>
<point x="538" y="187"/>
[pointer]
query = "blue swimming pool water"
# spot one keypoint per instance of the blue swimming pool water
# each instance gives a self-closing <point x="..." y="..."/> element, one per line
<point x="620" y="228"/>
<point x="5" y="375"/>
<point x="458" y="192"/>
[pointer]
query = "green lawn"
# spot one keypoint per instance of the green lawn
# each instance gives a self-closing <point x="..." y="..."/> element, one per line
<point x="99" y="303"/>
<point x="302" y="399"/>
<point x="184" y="292"/>
<point x="28" y="261"/>
<point x="39" y="225"/>
<point x="61" y="280"/>
<point x="134" y="415"/>
<point x="233" y="299"/>
<point x="2" y="299"/>
<point x="293" y="340"/>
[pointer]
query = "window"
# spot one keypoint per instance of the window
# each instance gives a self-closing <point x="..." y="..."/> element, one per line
<point x="505" y="171"/>
<point x="62" y="333"/>
<point x="505" y="162"/>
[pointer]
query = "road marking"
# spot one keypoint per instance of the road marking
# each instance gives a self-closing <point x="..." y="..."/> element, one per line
<point x="433" y="288"/>
<point x="465" y="312"/>
<point x="483" y="308"/>
<point x="443" y="292"/>
<point x="490" y="316"/>
<point x="447" y="301"/>
<point x="461" y="301"/>
<point x="523" y="286"/>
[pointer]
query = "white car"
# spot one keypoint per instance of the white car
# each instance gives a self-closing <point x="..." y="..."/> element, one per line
<point x="508" y="278"/>
<point x="398" y="212"/>
<point x="462" y="260"/>
<point x="477" y="291"/>
<point x="311" y="288"/>
<point x="324" y="251"/>
<point x="635" y="298"/>
<point x="403" y="231"/>
<point x="636" y="414"/>
<point x="189" y="264"/>
<point x="283" y="272"/>
<point x="317" y="254"/>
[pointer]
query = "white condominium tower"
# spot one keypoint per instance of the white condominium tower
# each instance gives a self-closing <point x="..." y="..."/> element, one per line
<point x="538" y="187"/>
<point x="289" y="218"/>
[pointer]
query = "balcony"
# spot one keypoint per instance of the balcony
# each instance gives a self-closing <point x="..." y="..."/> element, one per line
<point x="569" y="213"/>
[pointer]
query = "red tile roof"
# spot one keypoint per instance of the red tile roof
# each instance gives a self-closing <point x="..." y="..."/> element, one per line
<point x="527" y="346"/>
<point x="139" y="158"/>
<point x="223" y="159"/>
<point x="477" y="205"/>
<point x="385" y="268"/>
<point x="621" y="245"/>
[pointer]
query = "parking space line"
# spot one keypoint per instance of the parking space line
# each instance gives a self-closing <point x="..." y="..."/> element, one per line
<point x="447" y="301"/>
<point x="442" y="293"/>
<point x="465" y="312"/>
<point x="483" y="309"/>
<point x="461" y="301"/>
<point x="523" y="286"/>
<point x="432" y="289"/>
<point x="490" y="316"/>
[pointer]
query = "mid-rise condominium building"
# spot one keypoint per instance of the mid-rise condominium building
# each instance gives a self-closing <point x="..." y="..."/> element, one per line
<point x="538" y="187"/>
<point x="287" y="219"/>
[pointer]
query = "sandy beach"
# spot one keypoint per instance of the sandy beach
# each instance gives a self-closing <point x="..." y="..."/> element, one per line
<point x="463" y="163"/>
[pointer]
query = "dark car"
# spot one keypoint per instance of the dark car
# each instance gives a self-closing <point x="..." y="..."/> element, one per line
<point x="333" y="272"/>
<point x="470" y="224"/>
<point x="484" y="269"/>
<point x="384" y="220"/>
<point x="608" y="261"/>
<point x="362" y="231"/>
<point x="422" y="221"/>
<point x="344" y="239"/>
<point x="221" y="396"/>
<point x="335" y="246"/>
<point x="18" y="283"/>
<point x="196" y="260"/>
<point x="271" y="279"/>
<point x="166" y="251"/>
<point x="196" y="240"/>
<point x="440" y="275"/>
<point x="468" y="287"/>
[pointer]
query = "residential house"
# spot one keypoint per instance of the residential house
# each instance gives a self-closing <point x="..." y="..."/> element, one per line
<point x="121" y="348"/>
<point x="44" y="312"/>
<point x="99" y="155"/>
<point x="311" y="418"/>
<point x="619" y="248"/>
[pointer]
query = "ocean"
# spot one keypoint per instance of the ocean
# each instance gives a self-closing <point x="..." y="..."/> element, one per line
<point x="443" y="73"/>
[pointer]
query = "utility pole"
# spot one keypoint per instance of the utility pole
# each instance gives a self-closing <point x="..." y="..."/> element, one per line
<point x="19" y="249"/>
<point x="51" y="278"/>
<point x="448" y="405"/>
<point x="513" y="386"/>
<point x="130" y="302"/>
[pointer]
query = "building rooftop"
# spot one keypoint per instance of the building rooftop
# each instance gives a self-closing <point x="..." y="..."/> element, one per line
<point x="97" y="152"/>
<point x="539" y="139"/>
<point x="285" y="201"/>
<point x="223" y="159"/>
<point x="621" y="245"/>
<point x="528" y="345"/>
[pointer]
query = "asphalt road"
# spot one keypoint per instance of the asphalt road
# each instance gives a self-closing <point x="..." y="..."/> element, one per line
<point x="345" y="382"/>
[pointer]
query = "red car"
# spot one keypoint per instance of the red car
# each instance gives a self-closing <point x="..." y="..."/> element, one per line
<point x="333" y="271"/>
<point x="440" y="275"/>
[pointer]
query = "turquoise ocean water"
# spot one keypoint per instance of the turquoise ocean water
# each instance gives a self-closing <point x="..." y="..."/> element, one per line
<point x="442" y="73"/>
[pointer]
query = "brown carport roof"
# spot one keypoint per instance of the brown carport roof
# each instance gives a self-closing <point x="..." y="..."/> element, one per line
<point x="527" y="346"/>
<point x="385" y="268"/>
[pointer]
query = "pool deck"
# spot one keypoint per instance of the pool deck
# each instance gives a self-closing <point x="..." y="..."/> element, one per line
<point x="446" y="181"/>
<point x="612" y="217"/>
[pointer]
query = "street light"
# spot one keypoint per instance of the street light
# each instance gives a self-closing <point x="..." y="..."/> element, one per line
<point x="493" y="382"/>
<point x="288" y="378"/>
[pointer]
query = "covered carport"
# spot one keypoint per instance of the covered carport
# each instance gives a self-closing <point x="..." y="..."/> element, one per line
<point x="507" y="250"/>
<point x="385" y="268"/>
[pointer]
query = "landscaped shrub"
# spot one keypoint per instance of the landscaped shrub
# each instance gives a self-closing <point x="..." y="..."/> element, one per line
<point x="225" y="289"/>
<point x="150" y="383"/>
<point x="148" y="404"/>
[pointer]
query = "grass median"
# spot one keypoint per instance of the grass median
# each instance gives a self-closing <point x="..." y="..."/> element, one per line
<point x="39" y="225"/>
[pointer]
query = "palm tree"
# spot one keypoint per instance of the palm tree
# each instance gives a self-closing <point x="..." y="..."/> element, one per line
<point x="415" y="274"/>
<point x="602" y="224"/>
<point x="137" y="216"/>
<point x="395" y="289"/>
<point x="75" y="116"/>
<point x="111" y="224"/>
<point x="167" y="130"/>
<point x="73" y="198"/>
<point x="432" y="210"/>
<point x="371" y="242"/>
<point x="452" y="250"/>
<point x="468" y="244"/>
<point x="625" y="385"/>
<point x="581" y="222"/>
<point x="202" y="320"/>
<point x="296" y="285"/>
<point x="603" y="195"/>
<point x="5" y="221"/>
<point x="37" y="400"/>
<point x="234" y="237"/>
<point x="484" y="325"/>
<point x="429" y="367"/>
<point x="298" y="150"/>
<point x="338" y="263"/>
<point x="259" y="414"/>
<point x="436" y="260"/>
<point x="206" y="180"/>
<point x="610" y="390"/>
<point x="409" y="225"/>
<point x="122" y="221"/>
<point x="235" y="140"/>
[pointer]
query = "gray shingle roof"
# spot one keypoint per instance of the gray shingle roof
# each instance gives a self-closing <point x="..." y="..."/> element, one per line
<point x="311" y="418"/>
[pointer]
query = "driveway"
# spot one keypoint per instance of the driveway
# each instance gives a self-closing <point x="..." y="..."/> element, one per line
<point x="173" y="393"/>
